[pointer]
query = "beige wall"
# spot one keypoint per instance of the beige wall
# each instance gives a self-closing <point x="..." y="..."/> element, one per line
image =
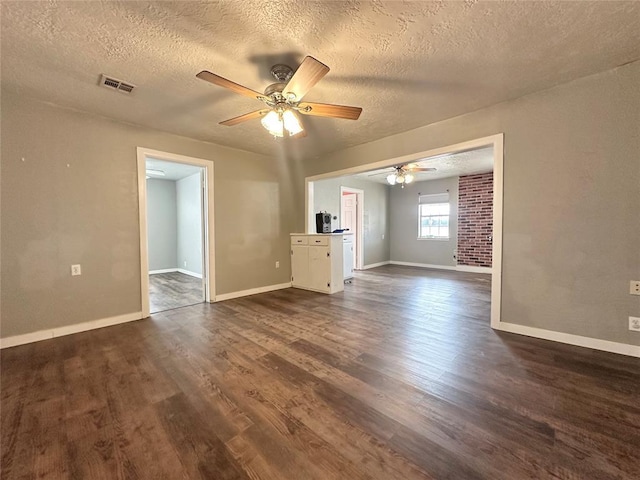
<point x="405" y="244"/>
<point x="162" y="224"/>
<point x="571" y="191"/>
<point x="74" y="200"/>
<point x="571" y="196"/>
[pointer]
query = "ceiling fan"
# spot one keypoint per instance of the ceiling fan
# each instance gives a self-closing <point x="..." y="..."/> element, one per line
<point x="403" y="174"/>
<point x="283" y="99"/>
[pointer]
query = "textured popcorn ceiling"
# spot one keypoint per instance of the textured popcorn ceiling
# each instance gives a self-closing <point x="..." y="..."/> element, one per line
<point x="407" y="64"/>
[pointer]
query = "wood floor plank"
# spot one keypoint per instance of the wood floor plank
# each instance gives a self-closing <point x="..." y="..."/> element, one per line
<point x="273" y="423"/>
<point x="173" y="290"/>
<point x="205" y="455"/>
<point x="399" y="377"/>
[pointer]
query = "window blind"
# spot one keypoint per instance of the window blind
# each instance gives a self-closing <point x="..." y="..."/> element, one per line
<point x="434" y="198"/>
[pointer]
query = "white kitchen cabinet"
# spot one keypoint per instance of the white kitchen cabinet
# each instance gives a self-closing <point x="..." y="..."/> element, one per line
<point x="317" y="262"/>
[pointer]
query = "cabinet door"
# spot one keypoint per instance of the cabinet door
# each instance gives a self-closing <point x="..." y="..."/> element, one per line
<point x="319" y="268"/>
<point x="300" y="265"/>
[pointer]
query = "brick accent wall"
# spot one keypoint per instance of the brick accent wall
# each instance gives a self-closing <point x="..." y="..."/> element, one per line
<point x="475" y="219"/>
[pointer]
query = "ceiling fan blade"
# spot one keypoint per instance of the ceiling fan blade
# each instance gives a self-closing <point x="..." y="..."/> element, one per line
<point x="327" y="110"/>
<point x="223" y="82"/>
<point x="421" y="170"/>
<point x="308" y="74"/>
<point x="243" y="118"/>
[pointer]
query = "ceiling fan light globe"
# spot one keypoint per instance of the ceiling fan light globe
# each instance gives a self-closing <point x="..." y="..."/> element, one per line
<point x="273" y="123"/>
<point x="291" y="122"/>
<point x="408" y="178"/>
<point x="391" y="179"/>
<point x="400" y="179"/>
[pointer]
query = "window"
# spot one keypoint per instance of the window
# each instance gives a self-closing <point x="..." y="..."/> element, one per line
<point x="433" y="216"/>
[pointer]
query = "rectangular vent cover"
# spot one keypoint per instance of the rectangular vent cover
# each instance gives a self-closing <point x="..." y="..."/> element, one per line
<point x="115" y="84"/>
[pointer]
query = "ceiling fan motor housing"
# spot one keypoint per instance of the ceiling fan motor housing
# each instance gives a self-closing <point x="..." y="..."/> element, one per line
<point x="274" y="88"/>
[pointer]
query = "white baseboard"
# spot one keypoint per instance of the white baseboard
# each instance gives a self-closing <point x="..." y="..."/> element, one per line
<point x="164" y="270"/>
<point x="374" y="265"/>
<point x="595" y="343"/>
<point x="472" y="269"/>
<point x="252" y="291"/>
<point x="68" y="330"/>
<point x="459" y="268"/>
<point x="423" y="265"/>
<point x="179" y="270"/>
<point x="191" y="274"/>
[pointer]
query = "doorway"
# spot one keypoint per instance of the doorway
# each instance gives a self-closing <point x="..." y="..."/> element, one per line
<point x="175" y="218"/>
<point x="351" y="217"/>
<point x="176" y="230"/>
<point x="495" y="142"/>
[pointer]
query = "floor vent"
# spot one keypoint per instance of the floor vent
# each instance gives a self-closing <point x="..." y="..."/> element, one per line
<point x="115" y="84"/>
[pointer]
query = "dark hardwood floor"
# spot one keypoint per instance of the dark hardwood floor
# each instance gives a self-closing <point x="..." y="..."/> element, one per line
<point x="399" y="377"/>
<point x="173" y="290"/>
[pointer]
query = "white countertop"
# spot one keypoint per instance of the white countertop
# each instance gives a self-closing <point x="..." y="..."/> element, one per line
<point x="322" y="234"/>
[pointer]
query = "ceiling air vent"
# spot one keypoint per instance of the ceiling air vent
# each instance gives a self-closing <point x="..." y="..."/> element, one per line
<point x="115" y="84"/>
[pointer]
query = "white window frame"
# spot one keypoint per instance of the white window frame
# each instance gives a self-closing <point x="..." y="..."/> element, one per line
<point x="435" y="199"/>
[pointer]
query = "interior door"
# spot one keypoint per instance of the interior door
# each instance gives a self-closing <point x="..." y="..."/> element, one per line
<point x="349" y="215"/>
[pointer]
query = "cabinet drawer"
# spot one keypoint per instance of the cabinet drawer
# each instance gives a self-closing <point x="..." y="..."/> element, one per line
<point x="299" y="240"/>
<point x="318" y="240"/>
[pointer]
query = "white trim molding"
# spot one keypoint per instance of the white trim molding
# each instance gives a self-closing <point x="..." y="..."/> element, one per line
<point x="163" y="270"/>
<point x="374" y="265"/>
<point x="459" y="268"/>
<point x="68" y="330"/>
<point x="568" y="338"/>
<point x="190" y="273"/>
<point x="173" y="270"/>
<point x="209" y="225"/>
<point x="473" y="269"/>
<point x="252" y="291"/>
<point x="496" y="235"/>
<point x="423" y="265"/>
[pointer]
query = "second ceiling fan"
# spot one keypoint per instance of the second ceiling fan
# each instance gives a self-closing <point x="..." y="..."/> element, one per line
<point x="403" y="174"/>
<point x="283" y="99"/>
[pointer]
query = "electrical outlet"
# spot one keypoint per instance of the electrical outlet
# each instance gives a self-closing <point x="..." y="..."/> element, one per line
<point x="76" y="270"/>
<point x="634" y="324"/>
<point x="634" y="287"/>
<point x="277" y="264"/>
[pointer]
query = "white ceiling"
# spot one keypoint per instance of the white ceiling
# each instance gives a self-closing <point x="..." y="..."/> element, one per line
<point x="407" y="64"/>
<point x="450" y="165"/>
<point x="172" y="170"/>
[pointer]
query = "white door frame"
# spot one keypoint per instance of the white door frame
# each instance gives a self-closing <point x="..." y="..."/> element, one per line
<point x="208" y="230"/>
<point x="495" y="141"/>
<point x="359" y="218"/>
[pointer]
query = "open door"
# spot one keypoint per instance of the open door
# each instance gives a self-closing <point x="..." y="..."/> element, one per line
<point x="351" y="217"/>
